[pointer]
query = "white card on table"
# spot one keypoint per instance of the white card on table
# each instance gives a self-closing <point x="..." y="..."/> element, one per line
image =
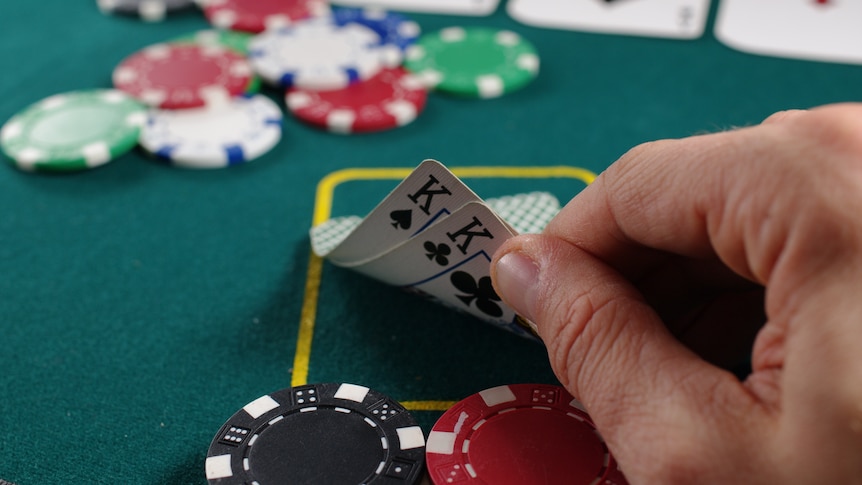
<point x="681" y="19"/>
<point x="820" y="30"/>
<point x="453" y="7"/>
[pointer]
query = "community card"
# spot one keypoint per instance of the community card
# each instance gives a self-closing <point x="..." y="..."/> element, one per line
<point x="681" y="19"/>
<point x="430" y="192"/>
<point x="819" y="30"/>
<point x="454" y="7"/>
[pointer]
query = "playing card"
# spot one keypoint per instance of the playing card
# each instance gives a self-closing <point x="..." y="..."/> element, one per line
<point x="820" y="30"/>
<point x="450" y="262"/>
<point x="525" y="213"/>
<point x="454" y="7"/>
<point x="682" y="19"/>
<point x="430" y="192"/>
<point x="471" y="230"/>
<point x="468" y="289"/>
<point x="444" y="248"/>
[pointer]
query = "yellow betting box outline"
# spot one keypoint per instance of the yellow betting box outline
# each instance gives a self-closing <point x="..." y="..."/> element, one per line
<point x="322" y="212"/>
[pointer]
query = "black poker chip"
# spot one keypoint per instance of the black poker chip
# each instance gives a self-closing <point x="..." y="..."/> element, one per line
<point x="150" y="10"/>
<point x="331" y="433"/>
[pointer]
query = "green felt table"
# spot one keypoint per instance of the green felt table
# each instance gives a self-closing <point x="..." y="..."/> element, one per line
<point x="142" y="305"/>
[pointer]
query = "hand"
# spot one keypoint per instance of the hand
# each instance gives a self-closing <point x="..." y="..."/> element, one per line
<point x="687" y="255"/>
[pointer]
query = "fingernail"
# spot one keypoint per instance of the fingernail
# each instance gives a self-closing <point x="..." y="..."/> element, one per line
<point x="517" y="277"/>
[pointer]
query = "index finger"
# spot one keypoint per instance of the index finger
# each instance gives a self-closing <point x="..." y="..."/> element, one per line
<point x="660" y="197"/>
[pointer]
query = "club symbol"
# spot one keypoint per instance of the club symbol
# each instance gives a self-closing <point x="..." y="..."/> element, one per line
<point x="401" y="219"/>
<point x="438" y="252"/>
<point x="481" y="291"/>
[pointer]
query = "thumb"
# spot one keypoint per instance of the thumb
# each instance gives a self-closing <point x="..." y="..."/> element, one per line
<point x="662" y="410"/>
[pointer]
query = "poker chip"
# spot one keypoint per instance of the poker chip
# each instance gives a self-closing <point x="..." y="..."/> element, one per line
<point x="259" y="15"/>
<point x="173" y="76"/>
<point x="77" y="130"/>
<point x="390" y="99"/>
<point x="149" y="10"/>
<point x="517" y="434"/>
<point x="230" y="39"/>
<point x="318" y="434"/>
<point x="475" y="62"/>
<point x="393" y="28"/>
<point x="615" y="475"/>
<point x="319" y="54"/>
<point x="214" y="137"/>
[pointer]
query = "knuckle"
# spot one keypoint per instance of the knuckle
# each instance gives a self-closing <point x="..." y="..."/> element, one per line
<point x="836" y="127"/>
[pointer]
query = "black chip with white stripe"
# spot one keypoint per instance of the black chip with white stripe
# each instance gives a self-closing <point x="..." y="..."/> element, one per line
<point x="319" y="434"/>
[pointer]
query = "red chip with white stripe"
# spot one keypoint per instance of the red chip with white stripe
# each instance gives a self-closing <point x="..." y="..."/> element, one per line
<point x="390" y="99"/>
<point x="614" y="476"/>
<point x="521" y="434"/>
<point x="259" y="15"/>
<point x="174" y="76"/>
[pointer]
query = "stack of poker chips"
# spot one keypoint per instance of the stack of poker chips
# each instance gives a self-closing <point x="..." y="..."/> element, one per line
<point x="341" y="433"/>
<point x="193" y="101"/>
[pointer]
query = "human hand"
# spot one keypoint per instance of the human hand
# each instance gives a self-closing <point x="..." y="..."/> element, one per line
<point x="669" y="265"/>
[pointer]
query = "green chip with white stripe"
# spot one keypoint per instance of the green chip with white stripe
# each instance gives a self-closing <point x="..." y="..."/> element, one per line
<point x="237" y="41"/>
<point x="474" y="61"/>
<point x="73" y="131"/>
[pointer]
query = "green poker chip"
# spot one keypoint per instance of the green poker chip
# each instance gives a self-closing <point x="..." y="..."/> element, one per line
<point x="228" y="39"/>
<point x="73" y="131"/>
<point x="236" y="41"/>
<point x="473" y="61"/>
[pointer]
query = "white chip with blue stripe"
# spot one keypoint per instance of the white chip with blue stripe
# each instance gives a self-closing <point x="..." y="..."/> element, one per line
<point x="320" y="54"/>
<point x="230" y="133"/>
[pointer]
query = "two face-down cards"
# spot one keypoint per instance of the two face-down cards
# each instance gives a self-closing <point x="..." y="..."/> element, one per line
<point x="434" y="236"/>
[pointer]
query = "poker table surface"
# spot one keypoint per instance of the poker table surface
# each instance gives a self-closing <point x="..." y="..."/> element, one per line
<point x="141" y="305"/>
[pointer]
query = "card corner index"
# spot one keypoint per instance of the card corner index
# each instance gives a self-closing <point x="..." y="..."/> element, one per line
<point x="419" y="190"/>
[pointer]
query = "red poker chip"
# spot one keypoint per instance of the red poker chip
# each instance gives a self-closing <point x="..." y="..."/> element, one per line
<point x="390" y="99"/>
<point x="520" y="434"/>
<point x="173" y="76"/>
<point x="259" y="15"/>
<point x="614" y="476"/>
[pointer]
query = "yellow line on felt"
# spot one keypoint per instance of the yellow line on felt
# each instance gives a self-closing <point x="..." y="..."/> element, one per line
<point x="428" y="405"/>
<point x="302" y="357"/>
<point x="326" y="186"/>
<point x="323" y="211"/>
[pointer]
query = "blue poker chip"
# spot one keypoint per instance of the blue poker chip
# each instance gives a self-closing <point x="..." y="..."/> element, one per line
<point x="320" y="54"/>
<point x="393" y="28"/>
<point x="232" y="132"/>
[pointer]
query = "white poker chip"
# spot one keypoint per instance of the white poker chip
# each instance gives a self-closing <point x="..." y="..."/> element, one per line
<point x="214" y="137"/>
<point x="319" y="54"/>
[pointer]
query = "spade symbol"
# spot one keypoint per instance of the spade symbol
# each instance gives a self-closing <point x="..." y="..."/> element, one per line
<point x="401" y="219"/>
